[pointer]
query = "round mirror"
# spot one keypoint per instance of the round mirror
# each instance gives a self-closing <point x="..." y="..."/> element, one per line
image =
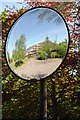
<point x="37" y="43"/>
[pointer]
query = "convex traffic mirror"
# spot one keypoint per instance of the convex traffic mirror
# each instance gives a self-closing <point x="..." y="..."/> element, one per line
<point x="37" y="43"/>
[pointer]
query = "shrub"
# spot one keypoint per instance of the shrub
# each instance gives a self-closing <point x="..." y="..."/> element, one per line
<point x="53" y="54"/>
<point x="18" y="63"/>
<point x="41" y="55"/>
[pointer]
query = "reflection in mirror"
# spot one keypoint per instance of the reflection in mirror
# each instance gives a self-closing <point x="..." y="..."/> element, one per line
<point x="37" y="43"/>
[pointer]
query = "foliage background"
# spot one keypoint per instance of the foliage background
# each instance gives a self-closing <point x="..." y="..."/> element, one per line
<point x="21" y="98"/>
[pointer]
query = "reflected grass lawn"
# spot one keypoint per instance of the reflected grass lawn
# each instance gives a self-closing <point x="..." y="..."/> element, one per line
<point x="13" y="67"/>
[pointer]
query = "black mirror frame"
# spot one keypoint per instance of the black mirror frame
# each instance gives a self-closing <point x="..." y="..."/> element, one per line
<point x="49" y="76"/>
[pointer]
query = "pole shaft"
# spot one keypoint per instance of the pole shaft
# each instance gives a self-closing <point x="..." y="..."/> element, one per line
<point x="43" y="100"/>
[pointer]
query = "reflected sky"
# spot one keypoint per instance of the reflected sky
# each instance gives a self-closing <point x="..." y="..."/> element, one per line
<point x="37" y="24"/>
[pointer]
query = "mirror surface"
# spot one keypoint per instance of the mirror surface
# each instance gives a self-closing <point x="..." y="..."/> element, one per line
<point x="37" y="43"/>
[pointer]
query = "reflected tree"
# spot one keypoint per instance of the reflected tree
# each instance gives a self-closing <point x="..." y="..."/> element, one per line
<point x="19" y="52"/>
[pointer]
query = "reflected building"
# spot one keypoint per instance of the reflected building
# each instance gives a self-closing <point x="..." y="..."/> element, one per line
<point x="33" y="51"/>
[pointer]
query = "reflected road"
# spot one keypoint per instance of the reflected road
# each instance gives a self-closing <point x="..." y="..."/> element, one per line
<point x="38" y="69"/>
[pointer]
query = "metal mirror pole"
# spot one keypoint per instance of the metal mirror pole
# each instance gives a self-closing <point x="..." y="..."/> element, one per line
<point x="43" y="99"/>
